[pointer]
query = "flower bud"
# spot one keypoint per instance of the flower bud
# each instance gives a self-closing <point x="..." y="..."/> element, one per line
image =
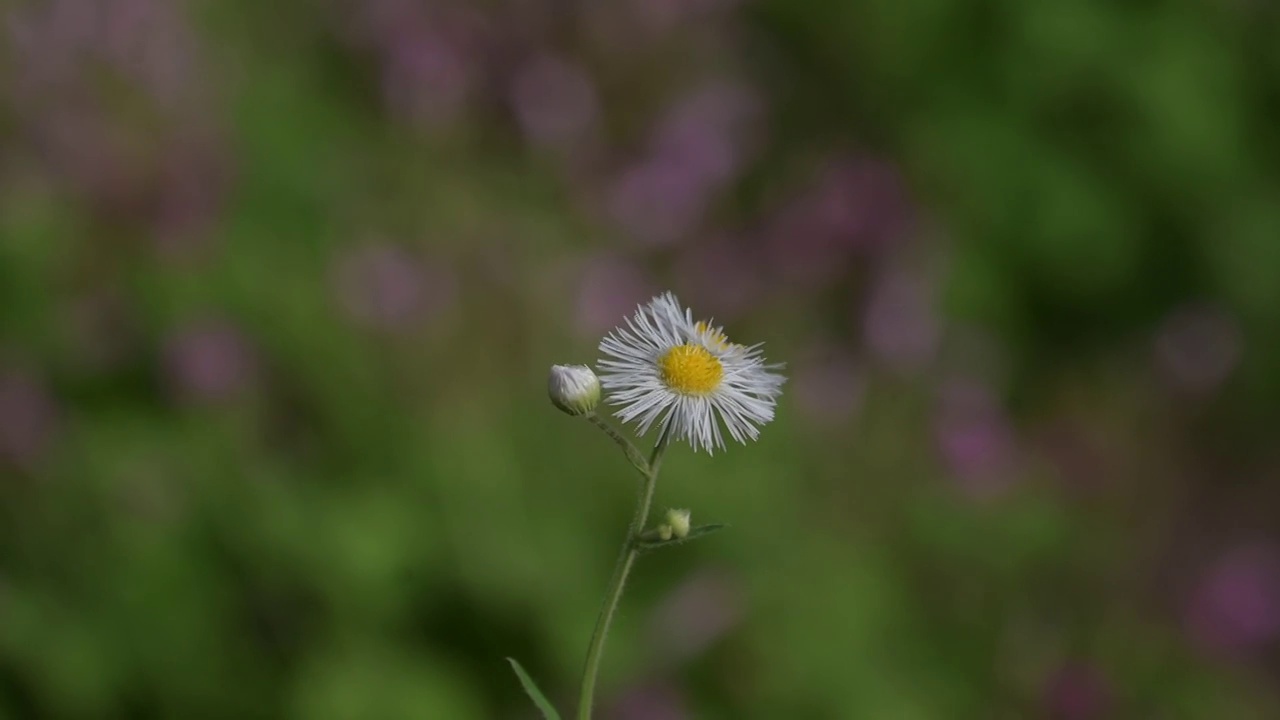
<point x="574" y="389"/>
<point x="664" y="532"/>
<point x="679" y="522"/>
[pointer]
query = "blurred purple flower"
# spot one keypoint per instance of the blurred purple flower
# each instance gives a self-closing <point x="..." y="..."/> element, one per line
<point x="659" y="17"/>
<point x="46" y="41"/>
<point x="63" y="52"/>
<point x="657" y="202"/>
<point x="609" y="289"/>
<point x="696" y="149"/>
<point x="828" y="385"/>
<point x="193" y="180"/>
<point x="700" y="611"/>
<point x="28" y="416"/>
<point x="209" y="362"/>
<point x="1198" y="347"/>
<point x="149" y="41"/>
<point x="173" y="188"/>
<point x="975" y="439"/>
<point x="555" y="103"/>
<point x="650" y="702"/>
<point x="900" y="326"/>
<point x="430" y="56"/>
<point x="1077" y="691"/>
<point x="720" y="278"/>
<point x="854" y="207"/>
<point x="62" y="46"/>
<point x="710" y="131"/>
<point x="426" y="77"/>
<point x="800" y="252"/>
<point x="1236" y="607"/>
<point x="384" y="287"/>
<point x="96" y="157"/>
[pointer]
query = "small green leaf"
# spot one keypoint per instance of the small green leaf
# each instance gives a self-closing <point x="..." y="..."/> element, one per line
<point x="648" y="544"/>
<point x="535" y="694"/>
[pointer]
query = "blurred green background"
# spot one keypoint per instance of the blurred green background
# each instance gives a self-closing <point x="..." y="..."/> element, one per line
<point x="280" y="283"/>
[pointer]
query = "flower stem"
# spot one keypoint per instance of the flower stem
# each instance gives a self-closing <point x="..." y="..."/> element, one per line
<point x="627" y="558"/>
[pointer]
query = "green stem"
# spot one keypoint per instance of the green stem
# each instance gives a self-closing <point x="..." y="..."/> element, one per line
<point x="627" y="558"/>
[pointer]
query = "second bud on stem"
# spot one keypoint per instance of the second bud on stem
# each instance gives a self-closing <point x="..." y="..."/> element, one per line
<point x="676" y="526"/>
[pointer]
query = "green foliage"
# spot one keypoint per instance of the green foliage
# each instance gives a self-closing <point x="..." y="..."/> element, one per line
<point x="377" y="517"/>
<point x="530" y="687"/>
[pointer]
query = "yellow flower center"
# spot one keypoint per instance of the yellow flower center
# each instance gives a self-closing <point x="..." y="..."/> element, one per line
<point x="691" y="369"/>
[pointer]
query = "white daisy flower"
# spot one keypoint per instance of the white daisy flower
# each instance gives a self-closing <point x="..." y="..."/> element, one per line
<point x="665" y="365"/>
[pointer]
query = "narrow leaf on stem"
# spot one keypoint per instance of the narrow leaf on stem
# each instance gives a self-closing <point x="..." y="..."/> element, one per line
<point x="633" y="455"/>
<point x="534" y="693"/>
<point x="648" y="542"/>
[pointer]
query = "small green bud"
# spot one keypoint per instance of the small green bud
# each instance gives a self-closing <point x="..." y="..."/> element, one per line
<point x="664" y="532"/>
<point x="679" y="522"/>
<point x="574" y="389"/>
